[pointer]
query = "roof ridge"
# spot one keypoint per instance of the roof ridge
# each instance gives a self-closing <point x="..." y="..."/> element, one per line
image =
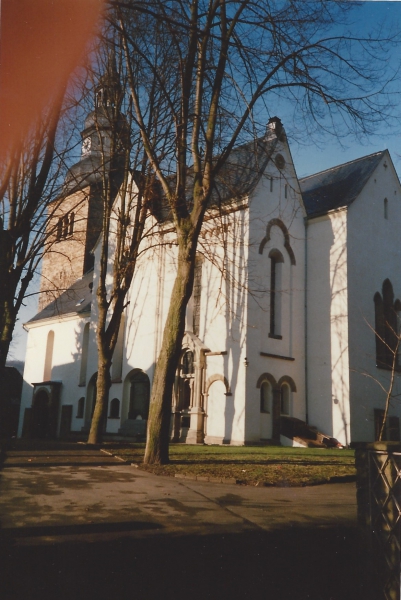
<point x="343" y="164"/>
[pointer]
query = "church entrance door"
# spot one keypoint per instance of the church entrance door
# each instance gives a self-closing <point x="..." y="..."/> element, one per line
<point x="40" y="416"/>
<point x="216" y="413"/>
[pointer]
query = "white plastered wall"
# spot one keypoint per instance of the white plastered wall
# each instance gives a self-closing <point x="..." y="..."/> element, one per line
<point x="223" y="321"/>
<point x="374" y="254"/>
<point x="327" y="325"/>
<point x="266" y="205"/>
<point x="66" y="362"/>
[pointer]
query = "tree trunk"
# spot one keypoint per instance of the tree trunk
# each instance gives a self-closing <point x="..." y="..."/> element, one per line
<point x="6" y="336"/>
<point x="5" y="341"/>
<point x="7" y="321"/>
<point x="103" y="384"/>
<point x="158" y="432"/>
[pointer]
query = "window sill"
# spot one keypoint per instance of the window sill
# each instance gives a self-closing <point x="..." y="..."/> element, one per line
<point x="279" y="356"/>
<point x="113" y="418"/>
<point x="273" y="336"/>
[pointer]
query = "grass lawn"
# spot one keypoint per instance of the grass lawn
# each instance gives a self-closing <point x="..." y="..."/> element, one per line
<point x="249" y="465"/>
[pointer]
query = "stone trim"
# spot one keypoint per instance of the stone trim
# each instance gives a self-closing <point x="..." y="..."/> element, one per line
<point x="279" y="356"/>
<point x="266" y="377"/>
<point x="278" y="223"/>
<point x="217" y="377"/>
<point x="289" y="381"/>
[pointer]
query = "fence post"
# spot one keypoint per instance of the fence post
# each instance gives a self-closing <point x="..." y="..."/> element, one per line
<point x="378" y="467"/>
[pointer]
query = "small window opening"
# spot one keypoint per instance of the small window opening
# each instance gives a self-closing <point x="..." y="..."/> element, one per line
<point x="285" y="399"/>
<point x="385" y="208"/>
<point x="276" y="262"/>
<point x="114" y="409"/>
<point x="188" y="363"/>
<point x="65" y="226"/>
<point x="81" y="406"/>
<point x="286" y="191"/>
<point x="271" y="184"/>
<point x="139" y="397"/>
<point x="59" y="229"/>
<point x="265" y="397"/>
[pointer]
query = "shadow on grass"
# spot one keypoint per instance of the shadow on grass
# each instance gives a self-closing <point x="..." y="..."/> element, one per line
<point x="306" y="564"/>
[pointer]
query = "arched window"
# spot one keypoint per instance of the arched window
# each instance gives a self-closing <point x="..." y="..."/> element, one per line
<point x="84" y="356"/>
<point x="139" y="396"/>
<point x="47" y="371"/>
<point x="285" y="399"/>
<point x="81" y="407"/>
<point x="276" y="262"/>
<point x="66" y="224"/>
<point x="59" y="233"/>
<point x="266" y="397"/>
<point x="387" y="327"/>
<point x="188" y="363"/>
<point x="114" y="409"/>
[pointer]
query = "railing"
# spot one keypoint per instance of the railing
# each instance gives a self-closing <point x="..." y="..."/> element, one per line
<point x="379" y="516"/>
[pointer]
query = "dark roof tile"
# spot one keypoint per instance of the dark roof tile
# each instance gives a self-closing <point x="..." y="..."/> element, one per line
<point x="339" y="186"/>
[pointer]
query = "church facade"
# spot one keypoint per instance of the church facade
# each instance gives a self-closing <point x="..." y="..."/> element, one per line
<point x="294" y="311"/>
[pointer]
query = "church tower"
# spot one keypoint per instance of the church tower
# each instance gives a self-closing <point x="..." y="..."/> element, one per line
<point x="75" y="217"/>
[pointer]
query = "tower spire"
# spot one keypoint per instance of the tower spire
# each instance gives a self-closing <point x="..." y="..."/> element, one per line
<point x="108" y="92"/>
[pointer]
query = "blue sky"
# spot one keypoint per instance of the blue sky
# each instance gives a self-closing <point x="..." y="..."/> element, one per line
<point x="311" y="159"/>
<point x="308" y="158"/>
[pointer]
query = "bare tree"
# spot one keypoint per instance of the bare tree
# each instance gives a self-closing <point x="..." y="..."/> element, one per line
<point x="29" y="180"/>
<point x="127" y="201"/>
<point x="37" y="58"/>
<point x="218" y="68"/>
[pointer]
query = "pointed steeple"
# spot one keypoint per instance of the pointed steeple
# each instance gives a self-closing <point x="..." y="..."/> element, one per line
<point x="105" y="128"/>
<point x="108" y="92"/>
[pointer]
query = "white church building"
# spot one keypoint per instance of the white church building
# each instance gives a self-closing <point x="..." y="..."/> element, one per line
<point x="294" y="312"/>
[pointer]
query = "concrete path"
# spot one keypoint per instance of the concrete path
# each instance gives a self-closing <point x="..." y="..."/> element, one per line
<point x="92" y="505"/>
<point x="94" y="490"/>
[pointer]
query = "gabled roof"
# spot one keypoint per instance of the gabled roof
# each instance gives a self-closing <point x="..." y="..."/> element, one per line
<point x="339" y="186"/>
<point x="237" y="178"/>
<point x="76" y="300"/>
<point x="243" y="169"/>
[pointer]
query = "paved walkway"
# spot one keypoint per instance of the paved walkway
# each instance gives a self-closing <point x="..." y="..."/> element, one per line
<point x="51" y="494"/>
<point x="87" y="503"/>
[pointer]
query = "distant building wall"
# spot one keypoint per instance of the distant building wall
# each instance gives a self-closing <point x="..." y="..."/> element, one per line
<point x="327" y="326"/>
<point x="374" y="255"/>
